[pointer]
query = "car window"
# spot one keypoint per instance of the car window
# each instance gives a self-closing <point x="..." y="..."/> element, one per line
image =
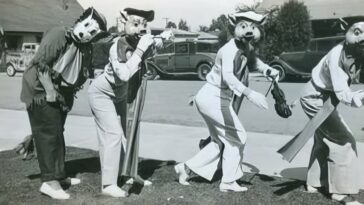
<point x="339" y="41"/>
<point x="182" y="48"/>
<point x="207" y="47"/>
<point x="325" y="45"/>
<point x="167" y="49"/>
<point x="312" y="46"/>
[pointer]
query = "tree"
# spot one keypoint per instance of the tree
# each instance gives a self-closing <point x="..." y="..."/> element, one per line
<point x="171" y="24"/>
<point x="221" y="24"/>
<point x="113" y="29"/>
<point x="2" y="42"/>
<point x="288" y="30"/>
<point x="203" y="28"/>
<point x="182" y="25"/>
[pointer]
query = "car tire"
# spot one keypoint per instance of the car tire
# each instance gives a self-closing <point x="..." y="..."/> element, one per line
<point x="282" y="72"/>
<point x="202" y="70"/>
<point x="151" y="73"/>
<point x="10" y="70"/>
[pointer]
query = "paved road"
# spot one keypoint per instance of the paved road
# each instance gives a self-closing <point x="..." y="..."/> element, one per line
<point x="166" y="102"/>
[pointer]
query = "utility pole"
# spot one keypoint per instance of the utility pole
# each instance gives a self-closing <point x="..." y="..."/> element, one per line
<point x="166" y="18"/>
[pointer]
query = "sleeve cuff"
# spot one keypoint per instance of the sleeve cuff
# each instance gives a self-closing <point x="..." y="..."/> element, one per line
<point x="247" y="91"/>
<point x="242" y="91"/>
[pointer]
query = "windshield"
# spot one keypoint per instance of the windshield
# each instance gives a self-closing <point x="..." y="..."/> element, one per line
<point x="207" y="47"/>
<point x="166" y="49"/>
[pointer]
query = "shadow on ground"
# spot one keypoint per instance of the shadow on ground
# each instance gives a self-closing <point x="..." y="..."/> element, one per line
<point x="19" y="184"/>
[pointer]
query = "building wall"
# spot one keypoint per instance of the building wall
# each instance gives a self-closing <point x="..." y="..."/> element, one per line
<point x="14" y="40"/>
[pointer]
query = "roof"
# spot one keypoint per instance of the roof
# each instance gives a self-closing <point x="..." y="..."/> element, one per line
<point x="182" y="34"/>
<point x="176" y="32"/>
<point x="325" y="9"/>
<point x="207" y="36"/>
<point x="37" y="15"/>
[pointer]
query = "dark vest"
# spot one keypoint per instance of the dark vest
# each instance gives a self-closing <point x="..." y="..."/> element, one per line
<point x="124" y="90"/>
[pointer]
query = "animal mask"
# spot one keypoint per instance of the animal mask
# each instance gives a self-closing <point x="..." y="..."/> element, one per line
<point x="354" y="38"/>
<point x="136" y="21"/>
<point x="88" y="26"/>
<point x="247" y="26"/>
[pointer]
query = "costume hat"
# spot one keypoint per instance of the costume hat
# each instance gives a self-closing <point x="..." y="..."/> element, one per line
<point x="148" y="15"/>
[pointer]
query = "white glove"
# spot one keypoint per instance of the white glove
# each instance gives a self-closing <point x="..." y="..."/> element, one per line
<point x="273" y="72"/>
<point x="145" y="41"/>
<point x="158" y="42"/>
<point x="258" y="99"/>
<point x="167" y="35"/>
<point x="358" y="99"/>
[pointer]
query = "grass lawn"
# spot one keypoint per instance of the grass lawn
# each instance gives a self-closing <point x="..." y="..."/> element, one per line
<point x="19" y="184"/>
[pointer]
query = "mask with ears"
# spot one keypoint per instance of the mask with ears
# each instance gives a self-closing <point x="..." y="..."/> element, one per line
<point x="247" y="26"/>
<point x="354" y="36"/>
<point x="88" y="26"/>
<point x="136" y="21"/>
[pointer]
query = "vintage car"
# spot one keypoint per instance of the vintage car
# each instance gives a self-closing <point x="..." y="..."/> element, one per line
<point x="17" y="61"/>
<point x="301" y="63"/>
<point x="181" y="58"/>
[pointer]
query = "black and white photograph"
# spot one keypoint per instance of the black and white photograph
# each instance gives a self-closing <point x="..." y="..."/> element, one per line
<point x="181" y="102"/>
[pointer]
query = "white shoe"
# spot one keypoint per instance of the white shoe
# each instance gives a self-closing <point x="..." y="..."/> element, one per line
<point x="182" y="174"/>
<point x="114" y="191"/>
<point x="311" y="189"/>
<point x="338" y="197"/>
<point x="145" y="182"/>
<point x="342" y="198"/>
<point x="225" y="187"/>
<point x="54" y="194"/>
<point x="71" y="181"/>
<point x="75" y="181"/>
<point x="130" y="181"/>
<point x="353" y="203"/>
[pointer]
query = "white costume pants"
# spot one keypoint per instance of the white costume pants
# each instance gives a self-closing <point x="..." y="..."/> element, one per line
<point x="109" y="131"/>
<point x="215" y="106"/>
<point x="334" y="161"/>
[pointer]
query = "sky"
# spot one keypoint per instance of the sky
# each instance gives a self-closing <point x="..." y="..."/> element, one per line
<point x="195" y="12"/>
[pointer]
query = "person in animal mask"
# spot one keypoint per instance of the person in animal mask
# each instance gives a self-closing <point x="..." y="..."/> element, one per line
<point x="214" y="101"/>
<point x="55" y="74"/>
<point x="111" y="93"/>
<point x="334" y="159"/>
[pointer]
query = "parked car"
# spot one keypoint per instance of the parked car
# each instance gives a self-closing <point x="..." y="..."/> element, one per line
<point x="191" y="57"/>
<point x="301" y="63"/>
<point x="17" y="61"/>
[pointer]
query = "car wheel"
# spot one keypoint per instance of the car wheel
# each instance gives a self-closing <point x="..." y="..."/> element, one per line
<point x="203" y="70"/>
<point x="151" y="73"/>
<point x="282" y="72"/>
<point x="10" y="70"/>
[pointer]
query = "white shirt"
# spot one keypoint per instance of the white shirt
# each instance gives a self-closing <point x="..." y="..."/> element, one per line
<point x="329" y="74"/>
<point x="222" y="73"/>
<point x="124" y="70"/>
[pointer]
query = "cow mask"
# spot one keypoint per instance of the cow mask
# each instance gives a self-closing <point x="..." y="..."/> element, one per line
<point x="136" y="21"/>
<point x="89" y="25"/>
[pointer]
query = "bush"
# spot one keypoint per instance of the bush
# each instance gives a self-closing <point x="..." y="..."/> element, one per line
<point x="288" y="29"/>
